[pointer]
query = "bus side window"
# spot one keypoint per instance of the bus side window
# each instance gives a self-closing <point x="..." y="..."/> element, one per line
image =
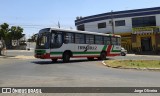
<point x="89" y="39"/>
<point x="107" y="40"/>
<point x="56" y="40"/>
<point x="114" y="40"/>
<point x="52" y="40"/>
<point x="99" y="40"/>
<point x="69" y="38"/>
<point x="118" y="41"/>
<point x="79" y="39"/>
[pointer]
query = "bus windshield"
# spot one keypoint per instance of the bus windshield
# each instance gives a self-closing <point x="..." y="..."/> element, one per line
<point x="43" y="41"/>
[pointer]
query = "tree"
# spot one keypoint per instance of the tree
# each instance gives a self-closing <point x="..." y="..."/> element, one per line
<point x="34" y="37"/>
<point x="4" y="30"/>
<point x="15" y="33"/>
<point x="9" y="34"/>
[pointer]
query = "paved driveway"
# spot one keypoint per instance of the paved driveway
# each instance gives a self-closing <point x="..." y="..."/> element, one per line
<point x="77" y="73"/>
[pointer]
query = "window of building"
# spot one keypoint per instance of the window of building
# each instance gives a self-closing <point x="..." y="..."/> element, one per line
<point x="69" y="38"/>
<point x="107" y="40"/>
<point x="120" y="23"/>
<point x="79" y="39"/>
<point x="101" y="25"/>
<point x="89" y="39"/>
<point x="81" y="28"/>
<point x="144" y="21"/>
<point x="98" y="40"/>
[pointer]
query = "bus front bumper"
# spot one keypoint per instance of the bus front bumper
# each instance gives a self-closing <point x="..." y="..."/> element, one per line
<point x="44" y="56"/>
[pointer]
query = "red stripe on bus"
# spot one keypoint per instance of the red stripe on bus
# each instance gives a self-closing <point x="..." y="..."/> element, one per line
<point x="56" y="58"/>
<point x="113" y="55"/>
<point x="85" y="56"/>
<point x="45" y="56"/>
<point x="109" y="50"/>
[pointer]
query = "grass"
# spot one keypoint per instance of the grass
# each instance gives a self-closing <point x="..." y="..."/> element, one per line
<point x="134" y="63"/>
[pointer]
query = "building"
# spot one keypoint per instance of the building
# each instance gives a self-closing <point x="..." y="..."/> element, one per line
<point x="139" y="28"/>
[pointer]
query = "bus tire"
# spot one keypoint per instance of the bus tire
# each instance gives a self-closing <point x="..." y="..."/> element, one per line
<point x="66" y="57"/>
<point x="102" y="56"/>
<point x="54" y="60"/>
<point x="90" y="58"/>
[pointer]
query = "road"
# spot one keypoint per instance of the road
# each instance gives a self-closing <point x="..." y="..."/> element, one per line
<point x="77" y="73"/>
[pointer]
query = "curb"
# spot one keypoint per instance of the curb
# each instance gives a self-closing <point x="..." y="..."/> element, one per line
<point x="23" y="57"/>
<point x="18" y="57"/>
<point x="104" y="63"/>
<point x="6" y="56"/>
<point x="120" y="67"/>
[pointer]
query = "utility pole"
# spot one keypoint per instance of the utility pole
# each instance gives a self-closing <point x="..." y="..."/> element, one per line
<point x="29" y="43"/>
<point x="59" y="26"/>
<point x="112" y="22"/>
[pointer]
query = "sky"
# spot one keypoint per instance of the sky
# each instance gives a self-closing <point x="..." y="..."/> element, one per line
<point x="33" y="15"/>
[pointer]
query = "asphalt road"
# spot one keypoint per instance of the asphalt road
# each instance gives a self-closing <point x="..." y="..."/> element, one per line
<point x="77" y="73"/>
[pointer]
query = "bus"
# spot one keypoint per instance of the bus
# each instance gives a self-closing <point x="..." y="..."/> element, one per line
<point x="54" y="44"/>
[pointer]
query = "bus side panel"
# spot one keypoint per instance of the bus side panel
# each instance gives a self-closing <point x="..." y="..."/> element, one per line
<point x="87" y="50"/>
<point x="58" y="52"/>
<point x="113" y="50"/>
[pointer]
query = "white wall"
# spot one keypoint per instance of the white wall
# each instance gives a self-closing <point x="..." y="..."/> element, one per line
<point x="126" y="28"/>
<point x="158" y="20"/>
<point x="93" y="26"/>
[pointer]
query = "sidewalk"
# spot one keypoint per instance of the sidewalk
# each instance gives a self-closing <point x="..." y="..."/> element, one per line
<point x="18" y="57"/>
<point x="18" y="54"/>
<point x="4" y="56"/>
<point x="143" y="55"/>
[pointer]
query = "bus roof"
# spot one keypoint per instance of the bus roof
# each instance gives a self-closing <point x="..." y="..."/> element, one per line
<point x="84" y="32"/>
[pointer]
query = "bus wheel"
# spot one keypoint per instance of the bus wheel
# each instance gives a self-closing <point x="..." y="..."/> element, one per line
<point x="90" y="58"/>
<point x="66" y="57"/>
<point x="54" y="60"/>
<point x="103" y="56"/>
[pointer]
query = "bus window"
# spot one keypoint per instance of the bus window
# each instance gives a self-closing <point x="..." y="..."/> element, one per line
<point x="114" y="40"/>
<point x="89" y="39"/>
<point x="56" y="40"/>
<point x="119" y="41"/>
<point x="98" y="40"/>
<point x="107" y="40"/>
<point x="69" y="38"/>
<point x="43" y="41"/>
<point x="79" y="39"/>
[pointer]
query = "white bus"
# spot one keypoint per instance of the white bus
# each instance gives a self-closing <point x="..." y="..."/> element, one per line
<point x="63" y="44"/>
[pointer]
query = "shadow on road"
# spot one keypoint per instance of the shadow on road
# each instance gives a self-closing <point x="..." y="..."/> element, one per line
<point x="60" y="61"/>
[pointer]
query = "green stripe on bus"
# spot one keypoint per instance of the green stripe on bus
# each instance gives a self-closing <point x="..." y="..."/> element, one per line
<point x="86" y="52"/>
<point x="56" y="53"/>
<point x="59" y="53"/>
<point x="115" y="50"/>
<point x="104" y="48"/>
<point x="40" y="51"/>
